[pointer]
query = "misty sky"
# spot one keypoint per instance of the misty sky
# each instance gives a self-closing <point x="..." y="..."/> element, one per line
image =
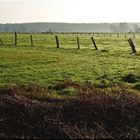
<point x="74" y="11"/>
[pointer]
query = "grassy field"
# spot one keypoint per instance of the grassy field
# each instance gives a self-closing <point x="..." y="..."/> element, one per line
<point x="49" y="92"/>
<point x="44" y="64"/>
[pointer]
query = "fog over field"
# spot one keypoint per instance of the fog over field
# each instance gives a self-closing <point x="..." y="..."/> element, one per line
<point x="71" y="27"/>
<point x="82" y="16"/>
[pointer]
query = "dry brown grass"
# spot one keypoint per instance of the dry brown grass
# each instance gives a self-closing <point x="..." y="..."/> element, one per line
<point x="90" y="113"/>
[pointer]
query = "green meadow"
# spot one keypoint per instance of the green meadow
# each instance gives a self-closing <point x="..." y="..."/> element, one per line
<point x="45" y="64"/>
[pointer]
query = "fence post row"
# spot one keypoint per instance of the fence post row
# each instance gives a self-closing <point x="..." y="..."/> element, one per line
<point x="94" y="43"/>
<point x="57" y="41"/>
<point x="132" y="45"/>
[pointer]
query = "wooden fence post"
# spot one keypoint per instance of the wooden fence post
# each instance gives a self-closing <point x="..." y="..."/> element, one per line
<point x="133" y="35"/>
<point x="125" y="35"/>
<point x="78" y="43"/>
<point x="1" y="41"/>
<point x="31" y="37"/>
<point x="57" y="41"/>
<point x="132" y="45"/>
<point x="117" y="34"/>
<point x="15" y="38"/>
<point x="97" y="34"/>
<point x="94" y="43"/>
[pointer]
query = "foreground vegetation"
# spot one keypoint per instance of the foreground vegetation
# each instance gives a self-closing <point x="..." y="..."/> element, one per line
<point x="47" y="92"/>
<point x="34" y="111"/>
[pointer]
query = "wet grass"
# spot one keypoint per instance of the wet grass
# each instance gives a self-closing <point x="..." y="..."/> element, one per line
<point x="44" y="64"/>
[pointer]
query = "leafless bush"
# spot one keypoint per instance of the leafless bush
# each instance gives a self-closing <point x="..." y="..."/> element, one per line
<point x="89" y="114"/>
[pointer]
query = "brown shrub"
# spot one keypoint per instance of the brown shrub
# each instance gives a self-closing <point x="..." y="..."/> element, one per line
<point x="88" y="114"/>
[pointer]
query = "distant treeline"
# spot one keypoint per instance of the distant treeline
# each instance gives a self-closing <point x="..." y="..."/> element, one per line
<point x="71" y="27"/>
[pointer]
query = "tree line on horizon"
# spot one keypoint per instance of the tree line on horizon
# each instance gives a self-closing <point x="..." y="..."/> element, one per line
<point x="71" y="27"/>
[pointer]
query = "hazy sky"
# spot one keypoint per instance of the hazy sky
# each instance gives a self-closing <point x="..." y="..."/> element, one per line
<point x="75" y="11"/>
